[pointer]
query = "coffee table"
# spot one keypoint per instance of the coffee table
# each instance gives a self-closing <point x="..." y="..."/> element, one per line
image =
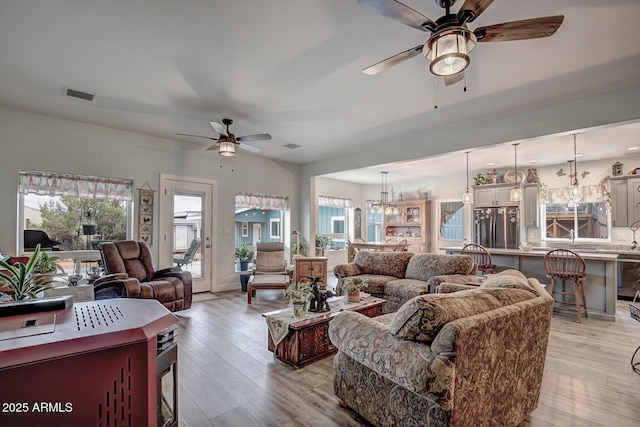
<point x="307" y="339"/>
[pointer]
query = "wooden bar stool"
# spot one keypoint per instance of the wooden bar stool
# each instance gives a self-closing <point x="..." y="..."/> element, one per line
<point x="481" y="256"/>
<point x="567" y="266"/>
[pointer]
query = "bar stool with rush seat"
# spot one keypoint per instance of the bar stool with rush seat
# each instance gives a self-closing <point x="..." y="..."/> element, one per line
<point x="567" y="266"/>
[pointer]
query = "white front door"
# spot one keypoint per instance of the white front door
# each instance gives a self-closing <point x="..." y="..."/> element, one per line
<point x="257" y="232"/>
<point x="187" y="214"/>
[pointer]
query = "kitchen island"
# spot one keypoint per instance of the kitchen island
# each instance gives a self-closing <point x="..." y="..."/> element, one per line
<point x="602" y="274"/>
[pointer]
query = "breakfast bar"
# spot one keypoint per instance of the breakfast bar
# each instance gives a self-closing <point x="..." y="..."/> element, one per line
<point x="602" y="274"/>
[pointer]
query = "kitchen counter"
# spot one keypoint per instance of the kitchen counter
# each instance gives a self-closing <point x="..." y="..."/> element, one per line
<point x="602" y="273"/>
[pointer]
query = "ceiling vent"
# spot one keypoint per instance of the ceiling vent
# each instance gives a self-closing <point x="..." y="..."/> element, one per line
<point x="80" y="95"/>
<point x="292" y="146"/>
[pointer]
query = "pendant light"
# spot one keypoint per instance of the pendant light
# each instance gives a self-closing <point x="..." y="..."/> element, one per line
<point x="516" y="192"/>
<point x="467" y="197"/>
<point x="385" y="206"/>
<point x="576" y="190"/>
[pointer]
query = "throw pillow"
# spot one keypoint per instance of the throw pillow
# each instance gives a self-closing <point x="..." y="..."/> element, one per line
<point x="508" y="279"/>
<point x="421" y="318"/>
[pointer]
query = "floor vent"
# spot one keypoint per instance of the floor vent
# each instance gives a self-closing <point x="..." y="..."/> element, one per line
<point x="80" y="95"/>
<point x="292" y="146"/>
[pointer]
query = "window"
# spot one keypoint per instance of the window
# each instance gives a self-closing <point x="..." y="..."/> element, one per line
<point x="374" y="224"/>
<point x="333" y="214"/>
<point x="451" y="221"/>
<point x="274" y="228"/>
<point x="586" y="220"/>
<point x="74" y="212"/>
<point x="245" y="229"/>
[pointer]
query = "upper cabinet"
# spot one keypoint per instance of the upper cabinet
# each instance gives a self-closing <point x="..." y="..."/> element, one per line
<point x="619" y="210"/>
<point x="633" y="201"/>
<point x="530" y="207"/>
<point x="492" y="195"/>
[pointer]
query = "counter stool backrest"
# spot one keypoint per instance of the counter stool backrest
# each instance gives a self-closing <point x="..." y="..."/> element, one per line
<point x="564" y="264"/>
<point x="481" y="256"/>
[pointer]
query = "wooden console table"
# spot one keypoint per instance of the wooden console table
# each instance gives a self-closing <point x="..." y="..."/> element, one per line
<point x="308" y="339"/>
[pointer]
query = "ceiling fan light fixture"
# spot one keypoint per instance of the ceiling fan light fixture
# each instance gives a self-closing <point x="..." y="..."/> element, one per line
<point x="448" y="51"/>
<point x="227" y="148"/>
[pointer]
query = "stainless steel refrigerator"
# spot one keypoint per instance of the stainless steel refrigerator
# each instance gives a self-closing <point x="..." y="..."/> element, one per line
<point x="497" y="227"/>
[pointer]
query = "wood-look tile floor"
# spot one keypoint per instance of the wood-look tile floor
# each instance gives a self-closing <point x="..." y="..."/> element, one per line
<point x="227" y="377"/>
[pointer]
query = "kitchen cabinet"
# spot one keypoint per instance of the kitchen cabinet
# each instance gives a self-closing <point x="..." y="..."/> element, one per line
<point x="413" y="224"/>
<point x="633" y="200"/>
<point x="619" y="209"/>
<point x="530" y="207"/>
<point x="493" y="195"/>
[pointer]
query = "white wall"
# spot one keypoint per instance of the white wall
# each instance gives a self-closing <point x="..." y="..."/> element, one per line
<point x="31" y="141"/>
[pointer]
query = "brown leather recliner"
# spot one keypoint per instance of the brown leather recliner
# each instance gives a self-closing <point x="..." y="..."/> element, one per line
<point x="130" y="273"/>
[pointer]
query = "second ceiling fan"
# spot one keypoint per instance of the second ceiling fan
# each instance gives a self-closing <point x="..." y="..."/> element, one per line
<point x="451" y="40"/>
<point x="227" y="142"/>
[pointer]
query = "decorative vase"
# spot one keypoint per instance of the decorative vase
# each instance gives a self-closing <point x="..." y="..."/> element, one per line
<point x="353" y="296"/>
<point x="299" y="308"/>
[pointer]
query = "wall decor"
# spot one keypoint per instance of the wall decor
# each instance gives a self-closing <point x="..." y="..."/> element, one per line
<point x="145" y="213"/>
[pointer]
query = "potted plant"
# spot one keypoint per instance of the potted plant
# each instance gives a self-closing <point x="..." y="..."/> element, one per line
<point x="46" y="267"/>
<point x="322" y="241"/>
<point x="244" y="254"/>
<point x="298" y="294"/>
<point x="351" y="288"/>
<point x="21" y="278"/>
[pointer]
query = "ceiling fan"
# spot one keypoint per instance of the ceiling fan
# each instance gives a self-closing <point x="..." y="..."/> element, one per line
<point x="227" y="142"/>
<point x="451" y="41"/>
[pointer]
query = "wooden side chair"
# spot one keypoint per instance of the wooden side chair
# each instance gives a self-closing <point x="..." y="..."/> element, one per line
<point x="567" y="266"/>
<point x="481" y="256"/>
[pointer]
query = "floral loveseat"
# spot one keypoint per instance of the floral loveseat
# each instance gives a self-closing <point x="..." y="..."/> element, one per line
<point x="400" y="276"/>
<point x="469" y="358"/>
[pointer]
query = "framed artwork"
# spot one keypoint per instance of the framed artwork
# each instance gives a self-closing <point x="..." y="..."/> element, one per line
<point x="145" y="215"/>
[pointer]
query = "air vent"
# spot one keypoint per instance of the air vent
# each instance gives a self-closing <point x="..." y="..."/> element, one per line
<point x="96" y="316"/>
<point x="292" y="146"/>
<point x="80" y="95"/>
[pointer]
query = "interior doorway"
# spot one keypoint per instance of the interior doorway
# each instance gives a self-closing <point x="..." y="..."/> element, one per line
<point x="187" y="220"/>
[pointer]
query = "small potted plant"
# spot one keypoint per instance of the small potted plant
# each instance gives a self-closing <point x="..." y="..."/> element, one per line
<point x="46" y="267"/>
<point x="20" y="279"/>
<point x="244" y="254"/>
<point x="322" y="241"/>
<point x="351" y="288"/>
<point x="298" y="294"/>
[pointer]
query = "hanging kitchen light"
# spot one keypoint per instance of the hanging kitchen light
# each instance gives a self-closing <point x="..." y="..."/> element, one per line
<point x="467" y="197"/>
<point x="576" y="190"/>
<point x="516" y="192"/>
<point x="384" y="205"/>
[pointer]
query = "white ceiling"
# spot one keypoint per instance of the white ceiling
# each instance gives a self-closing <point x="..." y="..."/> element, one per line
<point x="292" y="68"/>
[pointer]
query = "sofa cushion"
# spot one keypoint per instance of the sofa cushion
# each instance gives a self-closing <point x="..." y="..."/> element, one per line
<point x="405" y="289"/>
<point x="508" y="279"/>
<point x="421" y="318"/>
<point x="383" y="263"/>
<point x="375" y="284"/>
<point x="425" y="266"/>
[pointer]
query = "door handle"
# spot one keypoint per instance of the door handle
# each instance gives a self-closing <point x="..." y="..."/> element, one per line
<point x="208" y="245"/>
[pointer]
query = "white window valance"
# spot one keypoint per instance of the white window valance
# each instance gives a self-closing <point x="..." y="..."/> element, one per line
<point x="334" y="202"/>
<point x="262" y="201"/>
<point x="557" y="195"/>
<point x="85" y="186"/>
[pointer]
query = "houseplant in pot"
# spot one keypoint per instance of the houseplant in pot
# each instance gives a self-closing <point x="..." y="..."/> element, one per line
<point x="20" y="278"/>
<point x="298" y="294"/>
<point x="46" y="267"/>
<point x="351" y="288"/>
<point x="244" y="254"/>
<point x="322" y="241"/>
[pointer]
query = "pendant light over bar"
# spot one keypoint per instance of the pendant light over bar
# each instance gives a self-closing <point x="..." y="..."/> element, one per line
<point x="576" y="190"/>
<point x="467" y="197"/>
<point x="516" y="192"/>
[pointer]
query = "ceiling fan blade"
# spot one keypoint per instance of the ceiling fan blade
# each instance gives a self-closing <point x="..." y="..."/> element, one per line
<point x="197" y="136"/>
<point x="471" y="9"/>
<point x="213" y="147"/>
<point x="520" y="30"/>
<point x="402" y="13"/>
<point x="254" y="137"/>
<point x="449" y="80"/>
<point x="394" y="60"/>
<point x="248" y="147"/>
<point x="219" y="128"/>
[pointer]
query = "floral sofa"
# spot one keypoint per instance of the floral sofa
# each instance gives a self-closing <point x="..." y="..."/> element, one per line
<point x="400" y="276"/>
<point x="473" y="357"/>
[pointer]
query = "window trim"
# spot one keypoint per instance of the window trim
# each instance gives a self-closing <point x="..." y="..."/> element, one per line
<point x="577" y="239"/>
<point x="273" y="221"/>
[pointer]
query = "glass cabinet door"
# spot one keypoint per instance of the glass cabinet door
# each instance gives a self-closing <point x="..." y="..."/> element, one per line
<point x="412" y="215"/>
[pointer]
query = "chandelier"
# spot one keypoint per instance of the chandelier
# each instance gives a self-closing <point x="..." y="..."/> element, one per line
<point x="385" y="205"/>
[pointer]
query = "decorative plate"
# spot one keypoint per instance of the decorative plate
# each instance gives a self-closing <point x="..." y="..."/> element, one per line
<point x="510" y="177"/>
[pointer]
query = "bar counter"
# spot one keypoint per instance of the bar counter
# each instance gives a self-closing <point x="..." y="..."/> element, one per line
<point x="602" y="272"/>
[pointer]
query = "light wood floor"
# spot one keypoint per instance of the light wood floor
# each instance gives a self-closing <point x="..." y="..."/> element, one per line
<point x="227" y="377"/>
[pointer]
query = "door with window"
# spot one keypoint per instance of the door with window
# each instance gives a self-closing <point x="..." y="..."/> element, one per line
<point x="186" y="236"/>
